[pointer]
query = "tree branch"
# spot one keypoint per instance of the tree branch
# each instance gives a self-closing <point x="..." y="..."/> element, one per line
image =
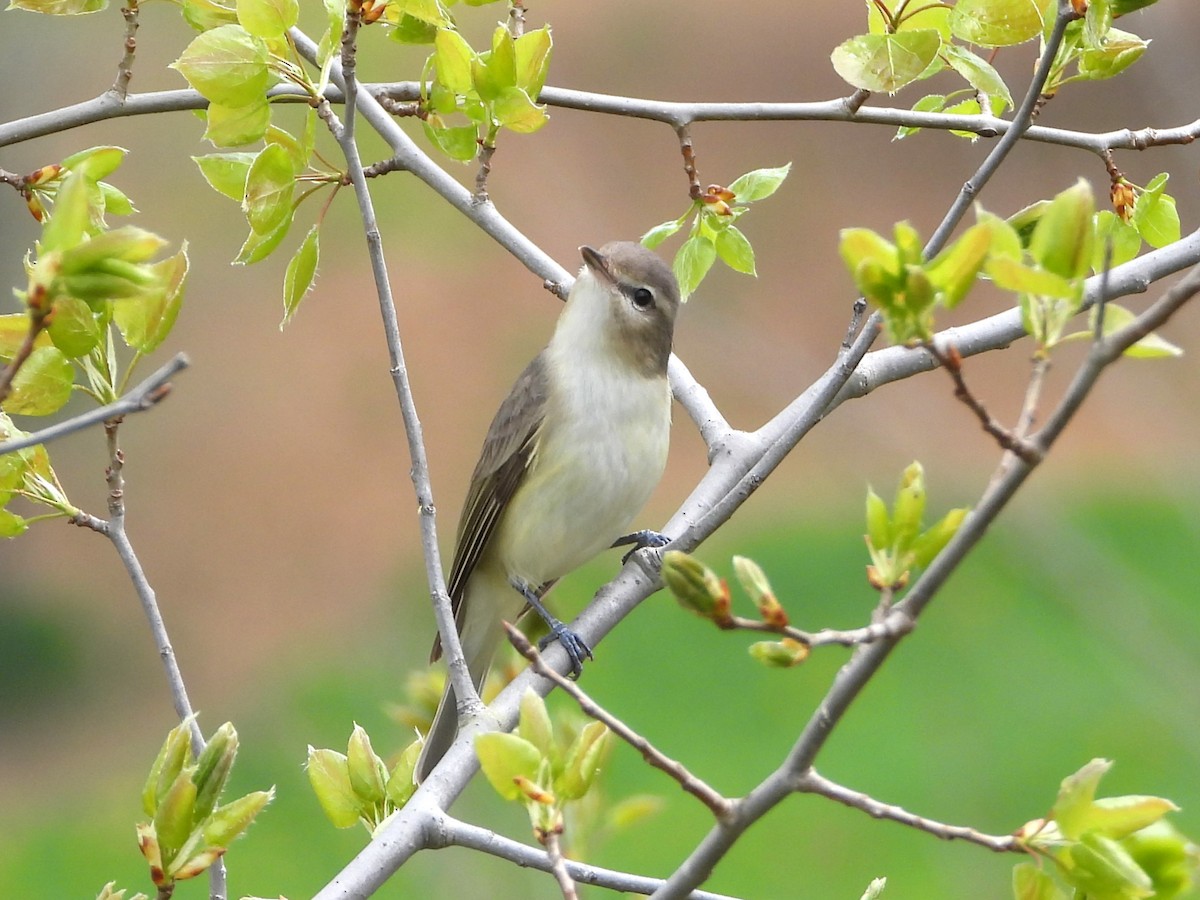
<point x="145" y="396"/>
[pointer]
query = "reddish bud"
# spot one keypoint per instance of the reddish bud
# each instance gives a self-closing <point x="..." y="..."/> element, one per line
<point x="1123" y="198"/>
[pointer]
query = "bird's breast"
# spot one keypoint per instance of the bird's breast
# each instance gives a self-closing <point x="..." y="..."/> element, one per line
<point x="600" y="452"/>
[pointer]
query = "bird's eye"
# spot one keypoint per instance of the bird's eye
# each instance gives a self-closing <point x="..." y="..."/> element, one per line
<point x="643" y="298"/>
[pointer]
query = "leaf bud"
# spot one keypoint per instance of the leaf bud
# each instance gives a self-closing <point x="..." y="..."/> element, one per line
<point x="779" y="654"/>
<point x="1123" y="199"/>
<point x="695" y="586"/>
<point x="754" y="581"/>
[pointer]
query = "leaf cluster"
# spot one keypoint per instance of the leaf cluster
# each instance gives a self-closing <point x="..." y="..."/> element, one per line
<point x="188" y="831"/>
<point x="358" y="786"/>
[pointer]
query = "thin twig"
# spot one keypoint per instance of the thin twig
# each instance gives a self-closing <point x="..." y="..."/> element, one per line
<point x="1021" y="121"/>
<point x="549" y="840"/>
<point x="952" y="363"/>
<point x="145" y="396"/>
<point x="464" y="689"/>
<point x="447" y="831"/>
<point x="811" y="782"/>
<point x="720" y="806"/>
<point x="125" y="67"/>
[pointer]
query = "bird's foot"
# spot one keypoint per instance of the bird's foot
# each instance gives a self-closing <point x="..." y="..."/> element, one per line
<point x="641" y="540"/>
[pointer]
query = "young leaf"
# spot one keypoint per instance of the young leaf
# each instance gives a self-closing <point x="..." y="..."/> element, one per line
<point x="227" y="65"/>
<point x="503" y="757"/>
<point x="515" y="111"/>
<point x="533" y="60"/>
<point x="660" y="233"/>
<point x="226" y="172"/>
<point x="1151" y="346"/>
<point x="146" y="319"/>
<point x="692" y="263"/>
<point x="267" y="19"/>
<point x="735" y="250"/>
<point x="329" y="775"/>
<point x="1154" y="214"/>
<point x="301" y="272"/>
<point x="997" y="23"/>
<point x="95" y="162"/>
<point x="452" y="57"/>
<point x="269" y="184"/>
<point x="1062" y="240"/>
<point x="759" y="184"/>
<point x="42" y="385"/>
<point x="236" y="126"/>
<point x="886" y="62"/>
<point x="73" y="327"/>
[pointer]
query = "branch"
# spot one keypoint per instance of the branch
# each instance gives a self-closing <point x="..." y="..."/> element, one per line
<point x="145" y="396"/>
<point x="453" y="832"/>
<point x="419" y="471"/>
<point x="718" y="804"/>
<point x="813" y="783"/>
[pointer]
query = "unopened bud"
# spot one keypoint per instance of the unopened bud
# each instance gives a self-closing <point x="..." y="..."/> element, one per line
<point x="34" y="204"/>
<point x="212" y="770"/>
<point x="780" y="654"/>
<point x="531" y="790"/>
<point x="754" y="581"/>
<point x="695" y="586"/>
<point x="234" y="818"/>
<point x="38" y="177"/>
<point x="1123" y="199"/>
<point x="365" y="768"/>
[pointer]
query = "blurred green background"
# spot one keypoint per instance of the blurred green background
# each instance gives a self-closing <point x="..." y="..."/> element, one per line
<point x="270" y="502"/>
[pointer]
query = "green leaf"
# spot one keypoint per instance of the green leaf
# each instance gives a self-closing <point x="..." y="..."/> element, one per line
<point x="145" y="320"/>
<point x="42" y="385"/>
<point x="1126" y="242"/>
<point x="1014" y="276"/>
<point x="997" y="23"/>
<point x="301" y="272"/>
<point x="173" y="818"/>
<point x="535" y="724"/>
<point x="69" y="220"/>
<point x="212" y="770"/>
<point x="582" y="762"/>
<point x="504" y="757"/>
<point x="1154" y="214"/>
<point x="269" y="185"/>
<point x="259" y="246"/>
<point x="1030" y="882"/>
<point x="660" y="233"/>
<point x="232" y="819"/>
<point x="73" y="327"/>
<point x="954" y="270"/>
<point x="886" y="62"/>
<point x="59" y="7"/>
<point x="293" y="145"/>
<point x="533" y="60"/>
<point x="96" y="162"/>
<point x="735" y="251"/>
<point x="928" y="103"/>
<point x="980" y="74"/>
<point x="267" y="19"/>
<point x="1005" y="240"/>
<point x="236" y="126"/>
<point x="367" y="775"/>
<point x="759" y="184"/>
<point x="204" y="15"/>
<point x="500" y="66"/>
<point x="115" y="201"/>
<point x="1151" y="346"/>
<point x="1076" y="796"/>
<point x="692" y="263"/>
<point x="452" y="57"/>
<point x="411" y="30"/>
<point x="227" y="65"/>
<point x="1103" y="868"/>
<point x="12" y="525"/>
<point x="1119" y="51"/>
<point x="430" y="11"/>
<point x="13" y="329"/>
<point x="329" y="775"/>
<point x="400" y="784"/>
<point x="515" y="111"/>
<point x="460" y="142"/>
<point x="1063" y="238"/>
<point x="226" y="172"/>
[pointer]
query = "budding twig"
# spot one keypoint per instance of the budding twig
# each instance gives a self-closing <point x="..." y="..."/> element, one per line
<point x="720" y="806"/>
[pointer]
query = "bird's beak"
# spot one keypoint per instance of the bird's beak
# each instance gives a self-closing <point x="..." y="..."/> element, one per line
<point x="597" y="263"/>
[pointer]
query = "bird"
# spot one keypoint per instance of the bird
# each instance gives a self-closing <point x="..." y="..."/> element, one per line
<point x="571" y="457"/>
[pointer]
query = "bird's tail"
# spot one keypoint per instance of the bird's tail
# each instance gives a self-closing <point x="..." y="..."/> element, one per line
<point x="480" y="632"/>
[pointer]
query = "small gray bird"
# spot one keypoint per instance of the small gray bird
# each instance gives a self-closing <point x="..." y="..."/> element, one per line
<point x="574" y="452"/>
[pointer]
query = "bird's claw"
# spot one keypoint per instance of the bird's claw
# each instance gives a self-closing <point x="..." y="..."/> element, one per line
<point x="641" y="540"/>
<point x="576" y="648"/>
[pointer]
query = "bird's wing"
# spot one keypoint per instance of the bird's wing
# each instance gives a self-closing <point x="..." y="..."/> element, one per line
<point x="510" y="443"/>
